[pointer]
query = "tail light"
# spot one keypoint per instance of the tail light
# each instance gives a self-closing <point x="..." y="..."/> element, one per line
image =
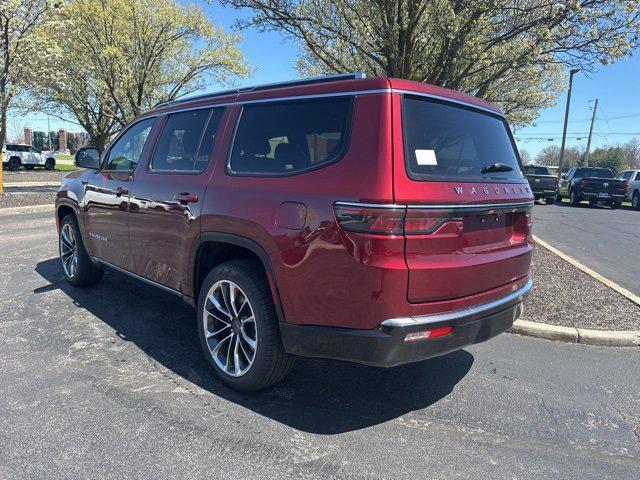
<point x="557" y="184"/>
<point x="399" y="220"/>
<point x="626" y="185"/>
<point x="374" y="220"/>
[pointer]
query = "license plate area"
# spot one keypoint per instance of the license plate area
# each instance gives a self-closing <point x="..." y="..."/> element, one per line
<point x="486" y="229"/>
<point x="603" y="195"/>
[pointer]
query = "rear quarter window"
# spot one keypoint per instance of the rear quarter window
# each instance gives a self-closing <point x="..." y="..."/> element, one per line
<point x="290" y="137"/>
<point x="443" y="142"/>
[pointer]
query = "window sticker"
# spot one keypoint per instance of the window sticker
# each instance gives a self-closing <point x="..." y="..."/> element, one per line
<point x="426" y="157"/>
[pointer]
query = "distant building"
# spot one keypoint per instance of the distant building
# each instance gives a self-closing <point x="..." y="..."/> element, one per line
<point x="62" y="139"/>
<point x="28" y="136"/>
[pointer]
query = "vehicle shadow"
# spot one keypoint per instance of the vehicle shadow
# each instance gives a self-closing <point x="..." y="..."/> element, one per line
<point x="317" y="396"/>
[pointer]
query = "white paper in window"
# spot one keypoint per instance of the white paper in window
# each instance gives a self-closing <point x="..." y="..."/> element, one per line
<point x="426" y="157"/>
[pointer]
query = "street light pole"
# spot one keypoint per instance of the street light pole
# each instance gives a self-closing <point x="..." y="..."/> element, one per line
<point x="593" y="119"/>
<point x="572" y="72"/>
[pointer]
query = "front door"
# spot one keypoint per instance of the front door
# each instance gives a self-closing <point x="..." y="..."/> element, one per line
<point x="106" y="230"/>
<point x="167" y="197"/>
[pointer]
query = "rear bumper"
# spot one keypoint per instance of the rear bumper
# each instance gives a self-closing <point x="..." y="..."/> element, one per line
<point x="543" y="192"/>
<point x="384" y="346"/>
<point x="612" y="196"/>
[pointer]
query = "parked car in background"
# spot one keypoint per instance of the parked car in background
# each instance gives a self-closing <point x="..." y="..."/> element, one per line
<point x="543" y="184"/>
<point x="633" y="188"/>
<point x="597" y="185"/>
<point x="15" y="156"/>
<point x="372" y="220"/>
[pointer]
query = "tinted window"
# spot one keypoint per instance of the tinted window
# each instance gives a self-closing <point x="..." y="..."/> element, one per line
<point x="625" y="175"/>
<point x="126" y="152"/>
<point x="600" y="173"/>
<point x="444" y="142"/>
<point x="186" y="141"/>
<point x="290" y="137"/>
<point x="531" y="170"/>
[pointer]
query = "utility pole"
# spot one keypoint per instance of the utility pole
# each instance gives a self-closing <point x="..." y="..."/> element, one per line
<point x="572" y="72"/>
<point x="593" y="119"/>
<point x="49" y="133"/>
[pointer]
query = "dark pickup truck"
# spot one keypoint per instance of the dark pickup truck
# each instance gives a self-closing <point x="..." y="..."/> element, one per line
<point x="597" y="185"/>
<point x="542" y="183"/>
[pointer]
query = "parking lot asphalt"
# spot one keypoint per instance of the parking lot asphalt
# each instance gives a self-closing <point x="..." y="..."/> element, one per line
<point x="605" y="240"/>
<point x="110" y="382"/>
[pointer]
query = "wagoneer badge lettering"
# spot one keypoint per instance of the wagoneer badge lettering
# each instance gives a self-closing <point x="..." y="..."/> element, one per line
<point x="497" y="190"/>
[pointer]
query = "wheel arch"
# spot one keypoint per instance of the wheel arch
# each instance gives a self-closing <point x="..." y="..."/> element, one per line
<point x="62" y="210"/>
<point x="213" y="248"/>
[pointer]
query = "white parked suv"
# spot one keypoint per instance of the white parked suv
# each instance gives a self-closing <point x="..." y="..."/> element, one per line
<point x="633" y="189"/>
<point x="14" y="156"/>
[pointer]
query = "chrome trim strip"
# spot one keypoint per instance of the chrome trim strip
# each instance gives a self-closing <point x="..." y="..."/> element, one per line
<point x="475" y="206"/>
<point x="137" y="277"/>
<point x="370" y="205"/>
<point x="450" y="100"/>
<point x="169" y="110"/>
<point x="457" y="314"/>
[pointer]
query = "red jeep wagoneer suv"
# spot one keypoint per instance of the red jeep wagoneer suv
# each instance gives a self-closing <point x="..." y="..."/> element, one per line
<point x="372" y="220"/>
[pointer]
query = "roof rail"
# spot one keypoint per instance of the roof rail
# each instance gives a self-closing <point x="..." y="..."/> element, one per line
<point x="266" y="86"/>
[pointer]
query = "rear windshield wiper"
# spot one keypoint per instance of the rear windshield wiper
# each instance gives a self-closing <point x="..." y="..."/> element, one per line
<point x="496" y="167"/>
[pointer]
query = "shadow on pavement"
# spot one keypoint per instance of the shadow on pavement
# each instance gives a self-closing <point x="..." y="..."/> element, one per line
<point x="317" y="396"/>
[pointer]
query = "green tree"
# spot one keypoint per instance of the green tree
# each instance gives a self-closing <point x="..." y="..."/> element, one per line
<point x="119" y="58"/>
<point x="19" y="51"/>
<point x="608" y="157"/>
<point x="512" y="53"/>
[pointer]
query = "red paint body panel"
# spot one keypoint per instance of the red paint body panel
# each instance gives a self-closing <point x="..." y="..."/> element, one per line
<point x="322" y="274"/>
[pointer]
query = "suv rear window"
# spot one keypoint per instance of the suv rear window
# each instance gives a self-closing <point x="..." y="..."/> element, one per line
<point x="443" y="142"/>
<point x="285" y="138"/>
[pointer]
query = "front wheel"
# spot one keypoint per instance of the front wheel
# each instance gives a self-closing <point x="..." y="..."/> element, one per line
<point x="238" y="327"/>
<point x="635" y="201"/>
<point x="49" y="164"/>
<point x="77" y="266"/>
<point x="549" y="200"/>
<point x="13" y="165"/>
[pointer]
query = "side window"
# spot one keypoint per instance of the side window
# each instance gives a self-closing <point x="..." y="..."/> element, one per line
<point x="186" y="141"/>
<point x="274" y="139"/>
<point x="33" y="150"/>
<point x="626" y="175"/>
<point x="22" y="148"/>
<point x="125" y="154"/>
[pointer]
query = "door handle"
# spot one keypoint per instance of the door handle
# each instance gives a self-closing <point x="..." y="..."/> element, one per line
<point x="121" y="191"/>
<point x="185" y="197"/>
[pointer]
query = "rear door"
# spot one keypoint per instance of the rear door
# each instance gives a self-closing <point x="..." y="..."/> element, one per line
<point x="168" y="194"/>
<point x="467" y="226"/>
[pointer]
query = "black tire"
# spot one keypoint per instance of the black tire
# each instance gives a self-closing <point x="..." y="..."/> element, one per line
<point x="635" y="201"/>
<point x="29" y="167"/>
<point x="549" y="200"/>
<point x="558" y="198"/>
<point x="574" y="199"/>
<point x="86" y="272"/>
<point x="270" y="362"/>
<point x="50" y="164"/>
<point x="13" y="164"/>
<point x="615" y="205"/>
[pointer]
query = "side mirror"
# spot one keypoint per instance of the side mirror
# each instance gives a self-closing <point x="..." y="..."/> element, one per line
<point x="88" y="157"/>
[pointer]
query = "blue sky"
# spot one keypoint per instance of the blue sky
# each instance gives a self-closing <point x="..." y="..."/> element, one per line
<point x="616" y="86"/>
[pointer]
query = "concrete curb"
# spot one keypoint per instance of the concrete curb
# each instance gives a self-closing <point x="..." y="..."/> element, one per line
<point x="4" y="212"/>
<point x="609" y="283"/>
<point x="630" y="338"/>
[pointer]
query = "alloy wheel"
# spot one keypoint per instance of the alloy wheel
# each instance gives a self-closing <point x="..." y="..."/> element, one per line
<point x="230" y="328"/>
<point x="68" y="250"/>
